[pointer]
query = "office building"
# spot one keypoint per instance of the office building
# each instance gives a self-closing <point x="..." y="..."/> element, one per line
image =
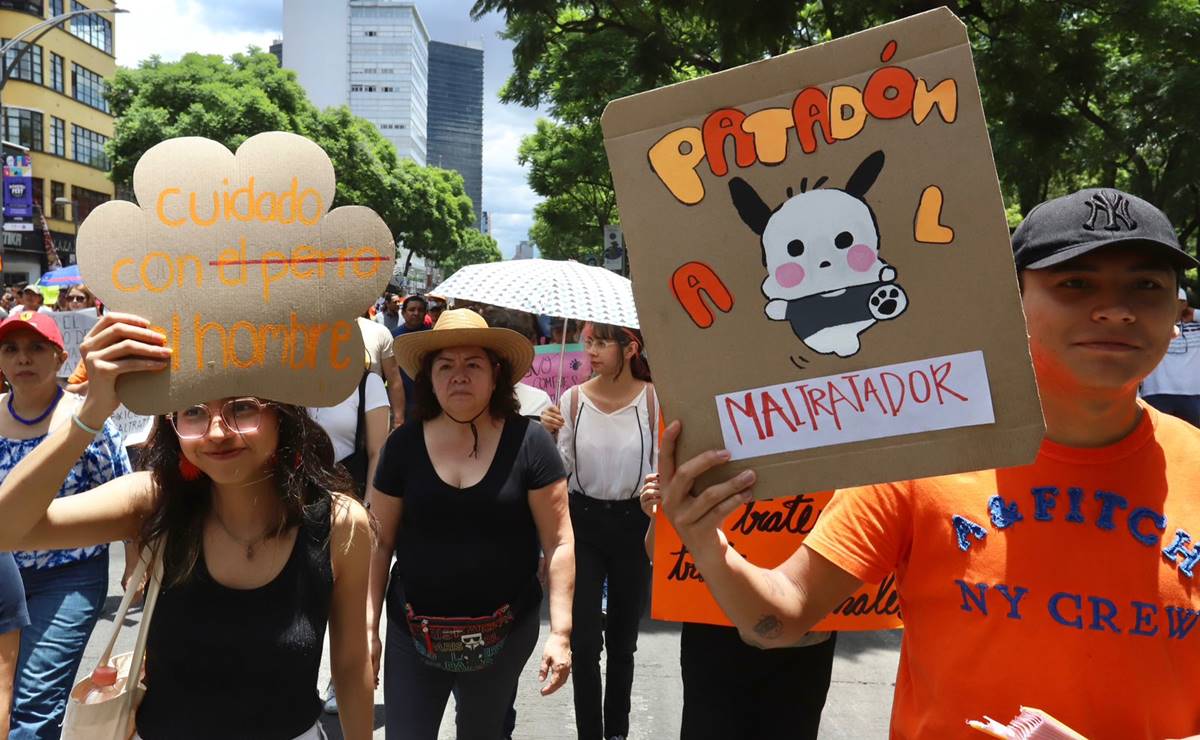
<point x="54" y="110"/>
<point x="372" y="55"/>
<point x="276" y="50"/>
<point x="456" y="115"/>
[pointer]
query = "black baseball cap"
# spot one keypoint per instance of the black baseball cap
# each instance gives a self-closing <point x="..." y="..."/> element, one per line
<point x="1075" y="224"/>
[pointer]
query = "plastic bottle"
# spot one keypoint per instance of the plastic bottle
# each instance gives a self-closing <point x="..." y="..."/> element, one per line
<point x="105" y="685"/>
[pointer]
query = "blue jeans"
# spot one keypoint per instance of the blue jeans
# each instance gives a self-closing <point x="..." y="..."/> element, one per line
<point x="64" y="605"/>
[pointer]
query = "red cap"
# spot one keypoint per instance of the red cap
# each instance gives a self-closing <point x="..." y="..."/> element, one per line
<point x="39" y="322"/>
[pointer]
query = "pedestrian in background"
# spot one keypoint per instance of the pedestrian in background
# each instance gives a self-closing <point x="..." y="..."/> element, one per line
<point x="14" y="617"/>
<point x="733" y="689"/>
<point x="608" y="442"/>
<point x="389" y="317"/>
<point x="64" y="586"/>
<point x="1174" y="386"/>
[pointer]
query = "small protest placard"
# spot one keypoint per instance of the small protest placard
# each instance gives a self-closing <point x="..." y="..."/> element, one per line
<point x="74" y="326"/>
<point x="238" y="262"/>
<point x="822" y="265"/>
<point x="547" y="360"/>
<point x="135" y="428"/>
<point x="766" y="533"/>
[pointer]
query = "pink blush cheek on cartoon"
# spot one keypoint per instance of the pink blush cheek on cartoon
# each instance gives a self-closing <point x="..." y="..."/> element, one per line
<point x="789" y="275"/>
<point x="860" y="258"/>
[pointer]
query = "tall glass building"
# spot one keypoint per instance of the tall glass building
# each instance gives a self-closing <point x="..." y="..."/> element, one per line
<point x="372" y="55"/>
<point x="456" y="115"/>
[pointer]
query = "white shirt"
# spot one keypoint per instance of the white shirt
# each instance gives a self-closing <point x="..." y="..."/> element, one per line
<point x="378" y="341"/>
<point x="533" y="401"/>
<point x="1178" y="374"/>
<point x="340" y="421"/>
<point x="607" y="455"/>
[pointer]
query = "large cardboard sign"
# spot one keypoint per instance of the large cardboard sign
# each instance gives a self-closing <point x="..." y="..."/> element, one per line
<point x="238" y="262"/>
<point x="822" y="266"/>
<point x="766" y="533"/>
<point x="548" y="358"/>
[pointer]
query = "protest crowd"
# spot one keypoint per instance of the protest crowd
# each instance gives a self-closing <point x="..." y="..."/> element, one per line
<point x="494" y="467"/>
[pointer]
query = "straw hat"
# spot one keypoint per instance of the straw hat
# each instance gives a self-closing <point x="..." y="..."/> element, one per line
<point x="463" y="327"/>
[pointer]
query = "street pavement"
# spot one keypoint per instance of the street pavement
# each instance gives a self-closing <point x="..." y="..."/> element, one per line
<point x="858" y="706"/>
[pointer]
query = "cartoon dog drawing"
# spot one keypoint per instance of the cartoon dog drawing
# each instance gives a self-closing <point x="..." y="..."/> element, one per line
<point x="821" y="252"/>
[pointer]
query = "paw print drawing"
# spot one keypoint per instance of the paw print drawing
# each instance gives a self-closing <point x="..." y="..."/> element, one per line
<point x="821" y="252"/>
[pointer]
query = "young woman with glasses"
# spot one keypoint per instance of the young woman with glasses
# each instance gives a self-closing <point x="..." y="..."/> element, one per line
<point x="260" y="552"/>
<point x="64" y="584"/>
<point x="608" y="439"/>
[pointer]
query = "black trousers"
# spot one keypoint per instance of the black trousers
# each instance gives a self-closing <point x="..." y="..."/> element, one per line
<point x="608" y="544"/>
<point x="415" y="694"/>
<point x="734" y="690"/>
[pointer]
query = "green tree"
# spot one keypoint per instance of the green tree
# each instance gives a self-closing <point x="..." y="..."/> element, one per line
<point x="1078" y="93"/>
<point x="477" y="248"/>
<point x="426" y="208"/>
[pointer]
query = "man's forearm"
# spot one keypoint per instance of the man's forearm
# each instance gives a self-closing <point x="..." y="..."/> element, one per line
<point x="768" y="610"/>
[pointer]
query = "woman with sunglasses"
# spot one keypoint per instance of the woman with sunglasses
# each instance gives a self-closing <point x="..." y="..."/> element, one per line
<point x="64" y="584"/>
<point x="608" y="440"/>
<point x="75" y="298"/>
<point x="259" y="554"/>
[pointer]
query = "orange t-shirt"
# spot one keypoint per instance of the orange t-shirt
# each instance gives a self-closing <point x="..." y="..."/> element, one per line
<point x="1071" y="585"/>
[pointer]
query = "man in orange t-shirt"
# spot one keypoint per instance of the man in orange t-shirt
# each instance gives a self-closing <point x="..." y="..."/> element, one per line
<point x="1071" y="584"/>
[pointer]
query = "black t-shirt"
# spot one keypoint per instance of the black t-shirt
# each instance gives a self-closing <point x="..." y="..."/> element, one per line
<point x="465" y="552"/>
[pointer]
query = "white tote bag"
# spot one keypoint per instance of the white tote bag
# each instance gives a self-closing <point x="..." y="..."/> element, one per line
<point x="113" y="719"/>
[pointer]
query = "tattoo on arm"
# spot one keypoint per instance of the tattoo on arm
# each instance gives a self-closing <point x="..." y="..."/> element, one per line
<point x="769" y="627"/>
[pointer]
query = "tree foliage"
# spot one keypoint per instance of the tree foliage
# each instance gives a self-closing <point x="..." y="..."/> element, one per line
<point x="1078" y="93"/>
<point x="426" y="208"/>
<point x="476" y="249"/>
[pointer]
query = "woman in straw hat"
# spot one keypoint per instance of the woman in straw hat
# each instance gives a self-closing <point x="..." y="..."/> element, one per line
<point x="260" y="553"/>
<point x="470" y="490"/>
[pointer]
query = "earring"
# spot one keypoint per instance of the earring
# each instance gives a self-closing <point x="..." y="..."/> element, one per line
<point x="188" y="470"/>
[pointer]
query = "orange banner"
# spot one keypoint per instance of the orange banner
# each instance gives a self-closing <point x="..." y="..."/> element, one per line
<point x="766" y="533"/>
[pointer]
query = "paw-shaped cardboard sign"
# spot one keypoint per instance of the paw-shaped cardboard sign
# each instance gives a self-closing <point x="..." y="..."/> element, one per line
<point x="235" y="259"/>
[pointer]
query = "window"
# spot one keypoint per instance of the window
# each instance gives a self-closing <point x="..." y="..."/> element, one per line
<point x="356" y="88"/>
<point x="88" y="87"/>
<point x="56" y="73"/>
<point x="58" y="136"/>
<point x="388" y="88"/>
<point x="88" y="147"/>
<point x="56" y="8"/>
<point x="30" y="67"/>
<point x="85" y="201"/>
<point x="58" y="210"/>
<point x="23" y="127"/>
<point x="371" y="33"/>
<point x="92" y="29"/>
<point x="33" y="7"/>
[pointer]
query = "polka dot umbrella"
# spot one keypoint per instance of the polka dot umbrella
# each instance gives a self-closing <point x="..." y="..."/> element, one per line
<point x="552" y="287"/>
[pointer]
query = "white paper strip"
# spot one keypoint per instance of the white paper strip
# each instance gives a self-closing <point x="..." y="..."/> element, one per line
<point x="906" y="398"/>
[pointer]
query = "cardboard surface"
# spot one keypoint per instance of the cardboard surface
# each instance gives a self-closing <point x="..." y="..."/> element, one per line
<point x="237" y="260"/>
<point x="766" y="533"/>
<point x="829" y="212"/>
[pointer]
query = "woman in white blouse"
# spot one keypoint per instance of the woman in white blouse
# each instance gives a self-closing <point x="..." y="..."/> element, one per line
<point x="608" y="436"/>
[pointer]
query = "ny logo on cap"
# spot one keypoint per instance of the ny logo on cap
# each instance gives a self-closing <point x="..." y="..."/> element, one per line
<point x="1115" y="208"/>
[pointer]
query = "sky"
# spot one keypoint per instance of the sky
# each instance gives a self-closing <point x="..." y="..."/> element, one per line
<point x="171" y="28"/>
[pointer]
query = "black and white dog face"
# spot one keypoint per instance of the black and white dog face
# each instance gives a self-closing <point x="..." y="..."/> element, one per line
<point x="817" y="241"/>
<point x="820" y="249"/>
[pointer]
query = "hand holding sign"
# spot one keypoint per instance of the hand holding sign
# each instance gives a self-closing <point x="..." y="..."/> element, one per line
<point x="118" y="344"/>
<point x="697" y="517"/>
<point x="234" y="259"/>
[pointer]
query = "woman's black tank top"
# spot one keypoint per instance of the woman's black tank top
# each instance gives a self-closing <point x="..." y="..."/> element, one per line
<point x="229" y="663"/>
